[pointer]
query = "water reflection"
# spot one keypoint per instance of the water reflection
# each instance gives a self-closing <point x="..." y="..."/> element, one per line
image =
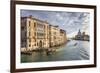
<point x="73" y="50"/>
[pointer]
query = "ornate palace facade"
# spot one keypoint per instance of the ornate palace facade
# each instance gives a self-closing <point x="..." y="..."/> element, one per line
<point x="37" y="34"/>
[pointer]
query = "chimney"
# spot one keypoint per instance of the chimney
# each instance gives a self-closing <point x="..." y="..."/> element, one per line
<point x="30" y="16"/>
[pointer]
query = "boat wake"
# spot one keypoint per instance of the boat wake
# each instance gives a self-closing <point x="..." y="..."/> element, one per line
<point x="84" y="54"/>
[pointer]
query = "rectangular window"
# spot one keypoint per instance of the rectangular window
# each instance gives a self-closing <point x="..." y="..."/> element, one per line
<point x="29" y="23"/>
<point x="34" y="44"/>
<point x="29" y="45"/>
<point x="22" y="27"/>
<point x="34" y="24"/>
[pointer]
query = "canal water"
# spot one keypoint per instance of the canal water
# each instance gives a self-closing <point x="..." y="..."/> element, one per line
<point x="72" y="50"/>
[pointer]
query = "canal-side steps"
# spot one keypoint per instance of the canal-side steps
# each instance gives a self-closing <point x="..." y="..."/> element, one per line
<point x="26" y="53"/>
<point x="47" y="50"/>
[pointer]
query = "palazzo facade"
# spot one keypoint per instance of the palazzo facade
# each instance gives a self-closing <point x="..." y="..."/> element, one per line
<point x="37" y="34"/>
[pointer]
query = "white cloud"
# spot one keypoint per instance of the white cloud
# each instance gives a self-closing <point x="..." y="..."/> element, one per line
<point x="69" y="21"/>
<point x="71" y="35"/>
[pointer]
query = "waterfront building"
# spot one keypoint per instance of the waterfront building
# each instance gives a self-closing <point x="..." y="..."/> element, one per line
<point x="78" y="36"/>
<point x="85" y="36"/>
<point x="82" y="36"/>
<point x="34" y="33"/>
<point x="39" y="34"/>
<point x="63" y="38"/>
<point x="54" y="34"/>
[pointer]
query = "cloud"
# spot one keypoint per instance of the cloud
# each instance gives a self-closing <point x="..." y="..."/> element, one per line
<point x="69" y="21"/>
<point x="71" y="35"/>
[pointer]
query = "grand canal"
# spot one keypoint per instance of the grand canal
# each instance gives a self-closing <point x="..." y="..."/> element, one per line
<point x="72" y="50"/>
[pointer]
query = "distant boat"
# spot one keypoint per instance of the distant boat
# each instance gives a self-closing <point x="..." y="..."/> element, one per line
<point x="75" y="44"/>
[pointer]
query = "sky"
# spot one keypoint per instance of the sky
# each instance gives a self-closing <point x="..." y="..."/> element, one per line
<point x="71" y="22"/>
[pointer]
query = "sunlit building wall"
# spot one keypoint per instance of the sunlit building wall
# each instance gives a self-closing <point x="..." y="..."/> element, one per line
<point x="37" y="34"/>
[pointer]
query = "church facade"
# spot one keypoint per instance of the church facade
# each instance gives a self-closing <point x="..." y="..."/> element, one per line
<point x="82" y="36"/>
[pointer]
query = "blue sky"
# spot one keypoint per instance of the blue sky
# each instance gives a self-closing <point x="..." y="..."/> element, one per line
<point x="69" y="21"/>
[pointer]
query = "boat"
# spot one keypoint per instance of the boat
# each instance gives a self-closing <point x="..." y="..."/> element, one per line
<point x="75" y="44"/>
<point x="26" y="53"/>
<point x="50" y="51"/>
